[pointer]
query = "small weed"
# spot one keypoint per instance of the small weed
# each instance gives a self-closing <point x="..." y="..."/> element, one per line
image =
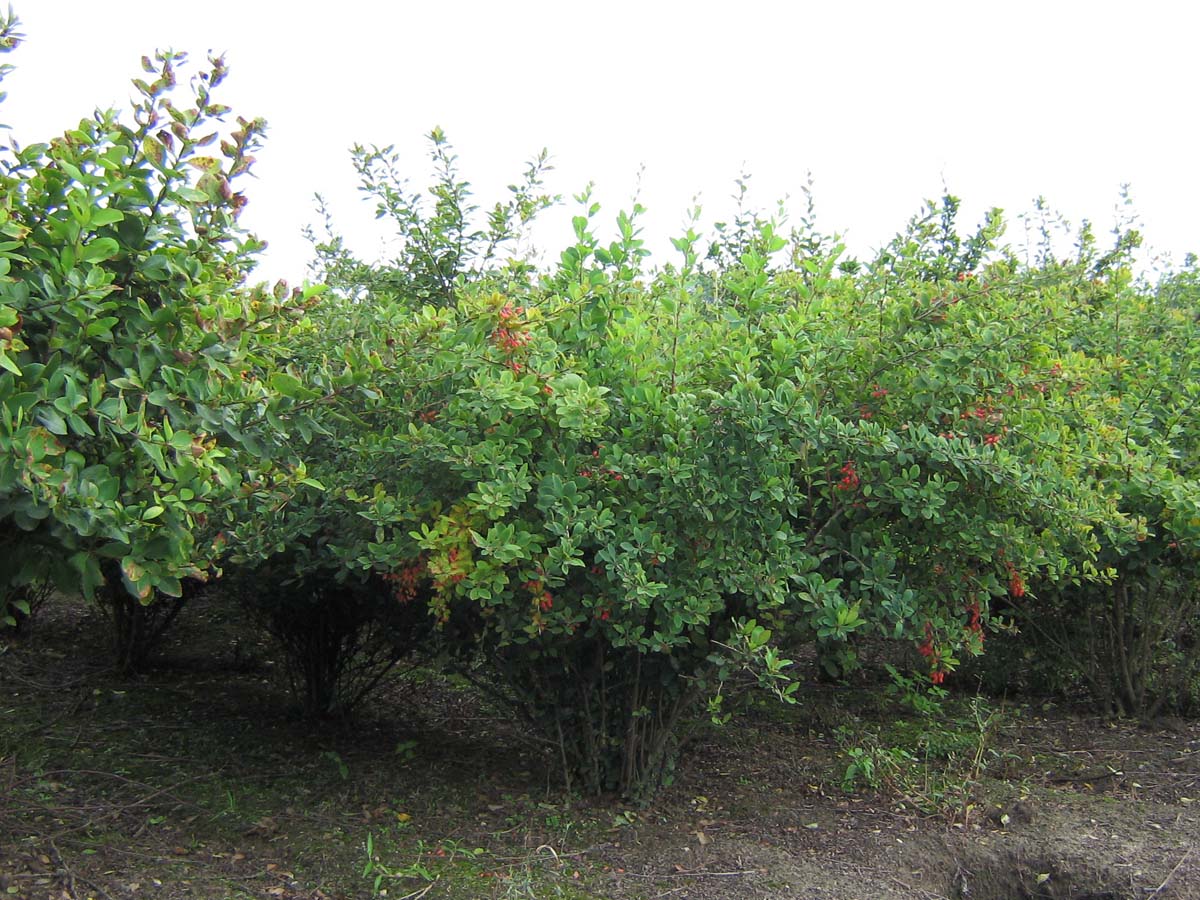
<point x="625" y="819"/>
<point x="343" y="770"/>
<point x="933" y="763"/>
<point x="380" y="872"/>
<point x="874" y="766"/>
<point x="406" y="750"/>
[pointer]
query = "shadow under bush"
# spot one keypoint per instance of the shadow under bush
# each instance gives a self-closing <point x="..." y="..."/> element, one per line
<point x="1131" y="647"/>
<point x="137" y="627"/>
<point x="342" y="633"/>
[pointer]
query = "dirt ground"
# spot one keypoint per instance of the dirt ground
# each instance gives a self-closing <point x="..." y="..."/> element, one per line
<point x="196" y="780"/>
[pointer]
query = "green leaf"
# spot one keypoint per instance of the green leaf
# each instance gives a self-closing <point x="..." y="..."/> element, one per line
<point x="101" y="217"/>
<point x="100" y="249"/>
<point x="191" y="195"/>
<point x="286" y="384"/>
<point x="154" y="151"/>
<point x="101" y="327"/>
<point x="53" y="421"/>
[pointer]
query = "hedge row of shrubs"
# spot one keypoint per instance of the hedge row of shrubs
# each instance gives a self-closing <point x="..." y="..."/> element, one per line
<point x="621" y="493"/>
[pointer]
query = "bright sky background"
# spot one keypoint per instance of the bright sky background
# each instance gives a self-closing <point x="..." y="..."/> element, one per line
<point x="883" y="101"/>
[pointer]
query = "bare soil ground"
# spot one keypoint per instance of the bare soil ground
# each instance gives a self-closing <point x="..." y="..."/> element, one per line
<point x="196" y="781"/>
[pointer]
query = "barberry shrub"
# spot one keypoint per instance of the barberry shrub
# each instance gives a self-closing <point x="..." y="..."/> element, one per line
<point x="135" y="394"/>
<point x="628" y="490"/>
<point x="320" y="571"/>
<point x="1128" y="637"/>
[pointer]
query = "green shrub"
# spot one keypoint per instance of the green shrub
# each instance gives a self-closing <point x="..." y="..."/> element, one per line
<point x="139" y="388"/>
<point x="625" y="488"/>
<point x="1129" y="635"/>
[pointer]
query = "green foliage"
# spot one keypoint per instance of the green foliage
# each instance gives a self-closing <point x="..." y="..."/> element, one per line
<point x="627" y="491"/>
<point x="133" y="397"/>
<point x="1130" y="639"/>
<point x="609" y="493"/>
<point x="441" y="247"/>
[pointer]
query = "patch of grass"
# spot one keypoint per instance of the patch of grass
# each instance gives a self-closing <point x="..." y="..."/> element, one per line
<point x="396" y="862"/>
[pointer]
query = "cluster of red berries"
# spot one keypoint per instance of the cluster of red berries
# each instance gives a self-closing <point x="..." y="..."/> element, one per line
<point x="545" y="600"/>
<point x="588" y="473"/>
<point x="406" y="581"/>
<point x="983" y="414"/>
<point x="509" y="340"/>
<point x="1016" y="584"/>
<point x="849" y="480"/>
<point x="506" y="337"/>
<point x="975" y="624"/>
<point x="867" y="410"/>
<point x="927" y="649"/>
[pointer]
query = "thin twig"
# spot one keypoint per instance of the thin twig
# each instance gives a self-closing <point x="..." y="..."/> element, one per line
<point x="1158" y="890"/>
<point x="693" y="874"/>
<point x="415" y="895"/>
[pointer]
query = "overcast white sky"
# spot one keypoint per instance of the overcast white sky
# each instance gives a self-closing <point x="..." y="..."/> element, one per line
<point x="883" y="101"/>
